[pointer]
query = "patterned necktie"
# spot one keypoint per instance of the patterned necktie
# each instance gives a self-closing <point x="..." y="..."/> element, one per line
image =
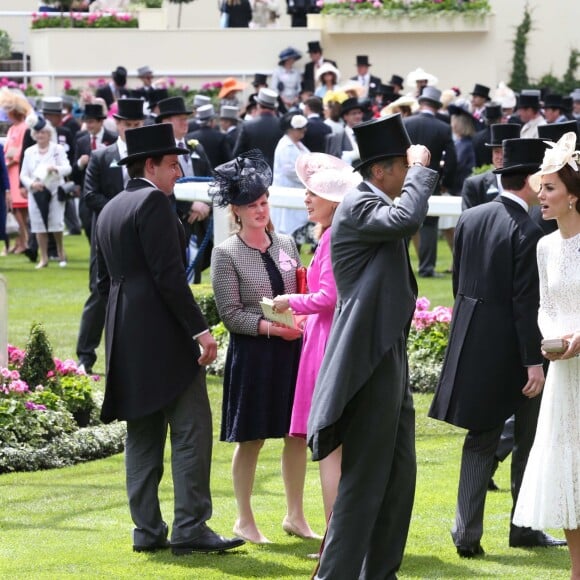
<point x="185" y="162"/>
<point x="93" y="142"/>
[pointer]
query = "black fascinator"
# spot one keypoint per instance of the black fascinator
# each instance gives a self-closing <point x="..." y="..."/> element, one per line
<point x="242" y="180"/>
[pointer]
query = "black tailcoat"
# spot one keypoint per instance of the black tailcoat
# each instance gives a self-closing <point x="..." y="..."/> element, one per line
<point x="494" y="331"/>
<point x="152" y="316"/>
<point x="262" y="133"/>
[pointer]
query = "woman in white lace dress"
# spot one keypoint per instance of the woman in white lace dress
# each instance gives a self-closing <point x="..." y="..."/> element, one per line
<point x="550" y="492"/>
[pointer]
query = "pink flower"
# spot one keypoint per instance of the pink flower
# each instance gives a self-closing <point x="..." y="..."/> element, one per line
<point x="18" y="386"/>
<point x="67" y="84"/>
<point x="171" y="81"/>
<point x="49" y="374"/>
<point x="377" y="4"/>
<point x="422" y="303"/>
<point x="320" y="3"/>
<point x="38" y="86"/>
<point x="34" y="406"/>
<point x="6" y="373"/>
<point x="15" y="375"/>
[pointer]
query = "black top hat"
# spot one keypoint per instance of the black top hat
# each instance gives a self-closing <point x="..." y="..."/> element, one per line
<point x="522" y="156"/>
<point x="241" y="180"/>
<point x="553" y="101"/>
<point x="567" y="104"/>
<point x="492" y="111"/>
<point x="120" y="76"/>
<point x="501" y="131"/>
<point x="350" y="104"/>
<point x="314" y="46"/>
<point x="387" y="91"/>
<point x="381" y="138"/>
<point x="150" y="141"/>
<point x="171" y="106"/>
<point x="362" y="60"/>
<point x="129" y="110"/>
<point x="553" y="131"/>
<point x="481" y="91"/>
<point x="259" y="80"/>
<point x="120" y="71"/>
<point x="525" y="101"/>
<point x="93" y="111"/>
<point x="396" y="80"/>
<point x="157" y="95"/>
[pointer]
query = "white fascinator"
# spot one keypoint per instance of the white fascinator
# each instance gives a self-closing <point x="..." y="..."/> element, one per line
<point x="558" y="154"/>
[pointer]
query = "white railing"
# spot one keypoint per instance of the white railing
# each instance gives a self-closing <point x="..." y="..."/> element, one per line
<point x="291" y="198"/>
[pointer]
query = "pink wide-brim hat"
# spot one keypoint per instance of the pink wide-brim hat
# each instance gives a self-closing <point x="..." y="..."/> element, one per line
<point x="326" y="176"/>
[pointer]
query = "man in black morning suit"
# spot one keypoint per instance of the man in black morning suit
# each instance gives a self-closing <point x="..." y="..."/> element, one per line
<point x="157" y="344"/>
<point x="116" y="88"/>
<point x="371" y="83"/>
<point x="485" y="187"/>
<point x="104" y="179"/>
<point x="214" y="142"/>
<point x="310" y="68"/>
<point x="93" y="138"/>
<point x="493" y="363"/>
<point x="425" y="129"/>
<point x="492" y="115"/>
<point x="262" y="132"/>
<point x="194" y="216"/>
<point x="317" y="131"/>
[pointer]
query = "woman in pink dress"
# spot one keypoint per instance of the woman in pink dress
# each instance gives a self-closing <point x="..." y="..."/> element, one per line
<point x="327" y="179"/>
<point x="17" y="108"/>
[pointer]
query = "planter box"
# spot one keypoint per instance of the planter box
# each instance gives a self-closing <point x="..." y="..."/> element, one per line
<point x="152" y="18"/>
<point x="375" y="24"/>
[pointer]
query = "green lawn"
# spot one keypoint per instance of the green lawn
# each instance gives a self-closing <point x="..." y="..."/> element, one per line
<point x="74" y="522"/>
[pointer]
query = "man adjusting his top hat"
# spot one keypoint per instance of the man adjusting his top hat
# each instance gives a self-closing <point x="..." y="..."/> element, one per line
<point x="362" y="399"/>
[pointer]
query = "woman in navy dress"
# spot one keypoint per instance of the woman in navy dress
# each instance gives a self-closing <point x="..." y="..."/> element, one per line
<point x="262" y="359"/>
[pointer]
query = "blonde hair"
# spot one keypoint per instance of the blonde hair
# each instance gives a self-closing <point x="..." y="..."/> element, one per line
<point x="462" y="126"/>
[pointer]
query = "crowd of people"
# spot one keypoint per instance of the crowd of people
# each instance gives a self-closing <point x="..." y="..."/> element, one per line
<point x="368" y="155"/>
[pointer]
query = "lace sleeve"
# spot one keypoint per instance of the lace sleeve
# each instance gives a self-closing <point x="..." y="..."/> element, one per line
<point x="547" y="313"/>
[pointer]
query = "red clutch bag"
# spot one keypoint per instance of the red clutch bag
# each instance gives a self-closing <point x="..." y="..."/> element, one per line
<point x="301" y="284"/>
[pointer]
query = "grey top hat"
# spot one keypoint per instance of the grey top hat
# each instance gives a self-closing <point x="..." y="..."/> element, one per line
<point x="151" y="141"/>
<point x="205" y="113"/>
<point x="200" y="100"/>
<point x="144" y="71"/>
<point x="229" y="112"/>
<point x="51" y="105"/>
<point x="432" y="95"/>
<point x="575" y="94"/>
<point x="267" y="98"/>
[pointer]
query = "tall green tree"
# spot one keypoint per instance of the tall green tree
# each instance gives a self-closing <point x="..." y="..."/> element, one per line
<point x="519" y="79"/>
<point x="180" y="2"/>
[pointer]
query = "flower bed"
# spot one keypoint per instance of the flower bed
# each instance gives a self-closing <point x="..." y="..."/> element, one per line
<point x="400" y="8"/>
<point x="428" y="339"/>
<point x="53" y="421"/>
<point x="84" y="20"/>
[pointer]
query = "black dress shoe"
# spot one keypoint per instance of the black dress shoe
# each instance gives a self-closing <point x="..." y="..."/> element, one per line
<point x="470" y="551"/>
<point x="492" y="485"/>
<point x="153" y="547"/>
<point x="528" y="538"/>
<point x="208" y="541"/>
<point x="31" y="254"/>
<point x="431" y="275"/>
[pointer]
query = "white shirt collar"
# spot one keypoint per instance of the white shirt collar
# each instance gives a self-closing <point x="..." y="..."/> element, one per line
<point x="376" y="190"/>
<point x="515" y="198"/>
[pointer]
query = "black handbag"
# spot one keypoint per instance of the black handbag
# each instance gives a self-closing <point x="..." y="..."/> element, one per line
<point x="66" y="191"/>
